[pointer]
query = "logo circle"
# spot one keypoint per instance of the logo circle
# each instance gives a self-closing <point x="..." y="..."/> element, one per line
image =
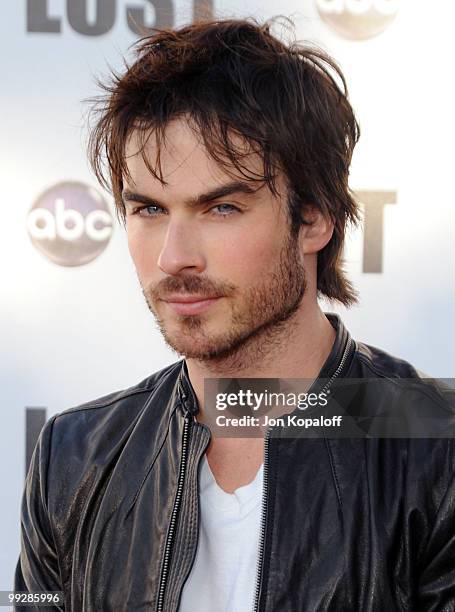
<point x="358" y="19"/>
<point x="70" y="223"/>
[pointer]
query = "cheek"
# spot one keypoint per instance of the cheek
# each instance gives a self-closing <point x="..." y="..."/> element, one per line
<point x="142" y="251"/>
<point x="246" y="259"/>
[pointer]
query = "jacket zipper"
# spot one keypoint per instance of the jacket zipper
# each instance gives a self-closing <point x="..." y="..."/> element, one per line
<point x="174" y="515"/>
<point x="263" y="521"/>
<point x="340" y="367"/>
<point x="266" y="484"/>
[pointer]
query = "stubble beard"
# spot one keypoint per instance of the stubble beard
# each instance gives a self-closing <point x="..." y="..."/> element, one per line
<point x="262" y="321"/>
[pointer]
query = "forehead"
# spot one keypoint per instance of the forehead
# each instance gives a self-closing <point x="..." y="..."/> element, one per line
<point x="185" y="162"/>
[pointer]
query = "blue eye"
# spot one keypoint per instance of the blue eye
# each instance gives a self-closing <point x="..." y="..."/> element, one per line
<point x="225" y="209"/>
<point x="152" y="210"/>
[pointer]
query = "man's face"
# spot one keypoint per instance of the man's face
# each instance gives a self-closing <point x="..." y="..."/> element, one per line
<point x="213" y="253"/>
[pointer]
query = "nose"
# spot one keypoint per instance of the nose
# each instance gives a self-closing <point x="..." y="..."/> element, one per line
<point x="181" y="249"/>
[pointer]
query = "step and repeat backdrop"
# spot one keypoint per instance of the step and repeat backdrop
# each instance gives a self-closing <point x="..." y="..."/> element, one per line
<point x="74" y="325"/>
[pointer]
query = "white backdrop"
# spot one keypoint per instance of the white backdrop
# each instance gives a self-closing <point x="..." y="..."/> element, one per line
<point x="73" y="333"/>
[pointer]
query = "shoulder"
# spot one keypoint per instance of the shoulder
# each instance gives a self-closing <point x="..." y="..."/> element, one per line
<point x="75" y="444"/>
<point x="416" y="420"/>
<point x="144" y="387"/>
<point x="372" y="361"/>
<point x="110" y="415"/>
<point x="411" y="404"/>
<point x="398" y="382"/>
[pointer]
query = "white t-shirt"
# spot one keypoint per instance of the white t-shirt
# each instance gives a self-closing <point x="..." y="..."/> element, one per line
<point x="223" y="576"/>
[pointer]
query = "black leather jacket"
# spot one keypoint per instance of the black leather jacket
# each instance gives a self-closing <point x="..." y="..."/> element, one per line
<point x="110" y="508"/>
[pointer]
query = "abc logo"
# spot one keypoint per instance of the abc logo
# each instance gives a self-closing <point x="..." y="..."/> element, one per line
<point x="358" y="19"/>
<point x="70" y="224"/>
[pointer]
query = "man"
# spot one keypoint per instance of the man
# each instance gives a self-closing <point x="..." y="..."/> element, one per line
<point x="228" y="156"/>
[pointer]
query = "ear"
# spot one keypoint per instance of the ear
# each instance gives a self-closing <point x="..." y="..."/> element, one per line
<point x="314" y="236"/>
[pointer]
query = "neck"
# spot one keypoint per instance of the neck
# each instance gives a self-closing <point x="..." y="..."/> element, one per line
<point x="298" y="349"/>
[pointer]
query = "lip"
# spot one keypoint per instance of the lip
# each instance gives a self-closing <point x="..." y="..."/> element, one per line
<point x="190" y="304"/>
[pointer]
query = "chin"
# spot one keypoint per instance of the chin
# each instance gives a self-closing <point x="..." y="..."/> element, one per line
<point x="192" y="347"/>
<point x="193" y="343"/>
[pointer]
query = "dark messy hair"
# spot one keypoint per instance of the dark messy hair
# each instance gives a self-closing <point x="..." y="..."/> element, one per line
<point x="233" y="78"/>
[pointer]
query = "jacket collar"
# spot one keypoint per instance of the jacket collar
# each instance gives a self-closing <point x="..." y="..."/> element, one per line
<point x="342" y="343"/>
<point x="339" y="359"/>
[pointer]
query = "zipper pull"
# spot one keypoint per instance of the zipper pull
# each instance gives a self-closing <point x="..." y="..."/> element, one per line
<point x="186" y="405"/>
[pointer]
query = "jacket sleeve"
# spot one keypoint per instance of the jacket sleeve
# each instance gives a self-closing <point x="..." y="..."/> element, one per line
<point x="436" y="588"/>
<point x="37" y="568"/>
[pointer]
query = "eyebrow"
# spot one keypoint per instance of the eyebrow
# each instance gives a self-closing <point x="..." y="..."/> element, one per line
<point x="203" y="198"/>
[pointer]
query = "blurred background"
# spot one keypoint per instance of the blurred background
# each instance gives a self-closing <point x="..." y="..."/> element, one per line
<point x="74" y="325"/>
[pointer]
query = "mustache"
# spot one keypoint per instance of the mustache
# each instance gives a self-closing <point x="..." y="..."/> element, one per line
<point x="188" y="285"/>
